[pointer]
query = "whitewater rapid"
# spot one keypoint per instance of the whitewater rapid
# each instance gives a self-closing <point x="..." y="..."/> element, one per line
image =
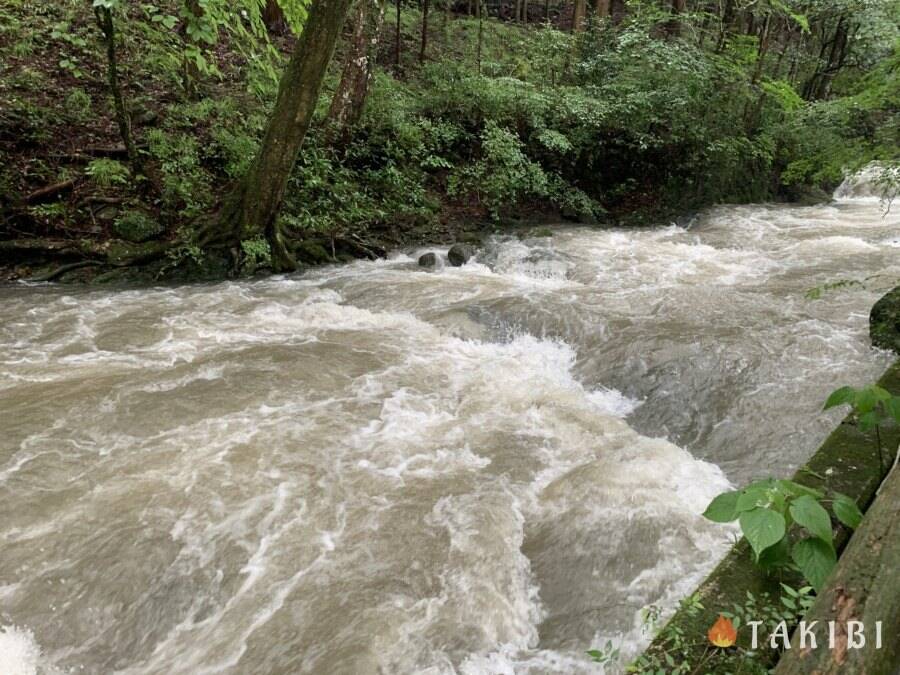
<point x="376" y="468"/>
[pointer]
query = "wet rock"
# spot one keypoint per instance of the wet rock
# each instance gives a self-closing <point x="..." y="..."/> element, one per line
<point x="460" y="254"/>
<point x="107" y="213"/>
<point x="428" y="260"/>
<point x="884" y="322"/>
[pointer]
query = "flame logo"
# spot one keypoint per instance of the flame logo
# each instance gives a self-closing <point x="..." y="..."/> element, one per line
<point x="722" y="633"/>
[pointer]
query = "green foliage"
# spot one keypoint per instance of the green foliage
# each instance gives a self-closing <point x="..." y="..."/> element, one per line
<point x="503" y="174"/>
<point x="872" y="406"/>
<point x="78" y="105"/>
<point x="256" y="255"/>
<point x="137" y="226"/>
<point x="677" y="653"/>
<point x="185" y="185"/>
<point x="107" y="172"/>
<point x="767" y="509"/>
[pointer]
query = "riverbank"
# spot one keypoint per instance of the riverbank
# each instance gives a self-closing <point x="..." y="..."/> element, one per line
<point x="469" y="125"/>
<point x="851" y="462"/>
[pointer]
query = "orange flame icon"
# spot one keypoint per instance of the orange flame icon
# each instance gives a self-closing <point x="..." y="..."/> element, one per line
<point x="722" y="633"/>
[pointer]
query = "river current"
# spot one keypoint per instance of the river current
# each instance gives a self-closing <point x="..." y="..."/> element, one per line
<point x="375" y="468"/>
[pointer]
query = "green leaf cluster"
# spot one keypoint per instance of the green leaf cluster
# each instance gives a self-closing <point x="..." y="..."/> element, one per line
<point x="766" y="510"/>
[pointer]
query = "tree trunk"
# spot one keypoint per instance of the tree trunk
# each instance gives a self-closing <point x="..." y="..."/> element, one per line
<point x="397" y="41"/>
<point x="863" y="587"/>
<point x="123" y="120"/>
<point x="191" y="73"/>
<point x="424" y="31"/>
<point x="578" y="15"/>
<point x="673" y="26"/>
<point x="359" y="65"/>
<point x="617" y="10"/>
<point x="727" y="18"/>
<point x="601" y="8"/>
<point x="253" y="207"/>
<point x="273" y="17"/>
<point x="479" y="7"/>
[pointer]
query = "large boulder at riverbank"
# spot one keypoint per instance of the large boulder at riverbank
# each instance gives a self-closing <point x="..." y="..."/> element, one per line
<point x="884" y="322"/>
<point x="459" y="254"/>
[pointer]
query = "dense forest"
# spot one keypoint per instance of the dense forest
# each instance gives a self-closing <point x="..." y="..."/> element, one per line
<point x="203" y="139"/>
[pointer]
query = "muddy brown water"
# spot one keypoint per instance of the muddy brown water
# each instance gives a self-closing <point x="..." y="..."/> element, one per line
<point x="375" y="468"/>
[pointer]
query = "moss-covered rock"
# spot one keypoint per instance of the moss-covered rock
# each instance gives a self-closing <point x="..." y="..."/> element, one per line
<point x="137" y="226"/>
<point x="884" y="322"/>
<point x="312" y="251"/>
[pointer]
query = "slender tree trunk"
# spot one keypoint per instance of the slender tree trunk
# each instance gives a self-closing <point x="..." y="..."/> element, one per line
<point x="525" y="12"/>
<point x="618" y="11"/>
<point x="547" y="10"/>
<point x="123" y="120"/>
<point x="727" y="18"/>
<point x="578" y="14"/>
<point x="763" y="49"/>
<point x="397" y="41"/>
<point x="191" y="73"/>
<point x="424" y="31"/>
<point x="480" y="9"/>
<point x="273" y="17"/>
<point x="601" y="8"/>
<point x="253" y="207"/>
<point x="673" y="26"/>
<point x="359" y="64"/>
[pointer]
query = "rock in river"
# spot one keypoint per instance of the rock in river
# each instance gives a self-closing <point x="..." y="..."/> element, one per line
<point x="428" y="260"/>
<point x="459" y="254"/>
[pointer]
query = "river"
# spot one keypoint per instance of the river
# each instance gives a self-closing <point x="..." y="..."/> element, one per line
<point x="375" y="468"/>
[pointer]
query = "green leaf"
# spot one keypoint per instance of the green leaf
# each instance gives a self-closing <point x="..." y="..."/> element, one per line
<point x="816" y="559"/>
<point x="869" y="420"/>
<point x="777" y="555"/>
<point x="797" y="490"/>
<point x="866" y="399"/>
<point x="763" y="528"/>
<point x="723" y="508"/>
<point x="840" y="397"/>
<point x="752" y="498"/>
<point x="806" y="511"/>
<point x="847" y="511"/>
<point x="892" y="408"/>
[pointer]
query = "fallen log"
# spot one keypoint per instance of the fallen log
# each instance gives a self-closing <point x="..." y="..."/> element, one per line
<point x="50" y="191"/>
<point x="864" y="587"/>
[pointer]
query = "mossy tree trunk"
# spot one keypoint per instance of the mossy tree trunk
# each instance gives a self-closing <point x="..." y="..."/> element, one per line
<point x="359" y="64"/>
<point x="107" y="26"/>
<point x="863" y="587"/>
<point x="254" y="205"/>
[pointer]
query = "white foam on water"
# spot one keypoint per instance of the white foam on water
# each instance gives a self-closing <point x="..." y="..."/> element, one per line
<point x="373" y="467"/>
<point x="874" y="182"/>
<point x="19" y="653"/>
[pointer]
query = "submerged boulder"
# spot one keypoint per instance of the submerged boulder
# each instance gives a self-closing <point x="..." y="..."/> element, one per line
<point x="460" y="254"/>
<point x="884" y="322"/>
<point x="428" y="260"/>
